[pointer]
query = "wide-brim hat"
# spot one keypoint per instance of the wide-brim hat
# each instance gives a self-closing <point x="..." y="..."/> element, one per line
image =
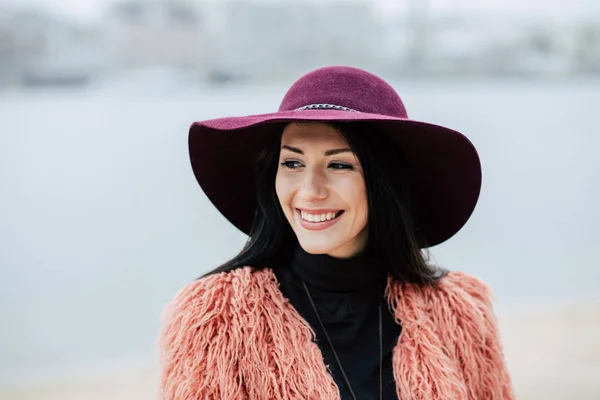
<point x="443" y="164"/>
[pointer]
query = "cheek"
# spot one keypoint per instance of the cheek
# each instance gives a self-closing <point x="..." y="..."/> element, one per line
<point x="282" y="188"/>
<point x="364" y="208"/>
<point x="356" y="196"/>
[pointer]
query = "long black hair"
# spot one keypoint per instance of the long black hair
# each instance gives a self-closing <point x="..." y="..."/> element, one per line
<point x="392" y="233"/>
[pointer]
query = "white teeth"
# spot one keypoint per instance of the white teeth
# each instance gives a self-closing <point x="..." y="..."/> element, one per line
<point x="317" y="217"/>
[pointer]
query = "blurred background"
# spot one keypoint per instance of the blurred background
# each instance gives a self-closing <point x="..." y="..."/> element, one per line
<point x="102" y="222"/>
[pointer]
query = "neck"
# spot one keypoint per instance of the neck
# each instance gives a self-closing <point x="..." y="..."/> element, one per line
<point x="327" y="273"/>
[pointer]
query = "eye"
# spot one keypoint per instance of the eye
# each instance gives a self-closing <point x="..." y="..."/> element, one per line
<point x="290" y="164"/>
<point x="338" y="165"/>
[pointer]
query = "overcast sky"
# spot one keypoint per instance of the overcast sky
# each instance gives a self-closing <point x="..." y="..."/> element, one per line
<point x="92" y="8"/>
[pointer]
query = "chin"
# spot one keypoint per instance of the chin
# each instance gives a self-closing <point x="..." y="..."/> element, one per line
<point x="317" y="248"/>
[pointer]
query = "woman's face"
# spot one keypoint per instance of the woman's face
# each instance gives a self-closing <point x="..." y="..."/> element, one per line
<point x="321" y="190"/>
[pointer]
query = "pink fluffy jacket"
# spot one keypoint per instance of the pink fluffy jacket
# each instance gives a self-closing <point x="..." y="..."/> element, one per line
<point x="235" y="336"/>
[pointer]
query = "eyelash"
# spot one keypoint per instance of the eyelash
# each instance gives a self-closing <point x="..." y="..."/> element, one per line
<point x="288" y="164"/>
<point x="343" y="166"/>
<point x="293" y="165"/>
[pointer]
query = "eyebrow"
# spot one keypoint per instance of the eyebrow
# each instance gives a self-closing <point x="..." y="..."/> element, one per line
<point x="327" y="153"/>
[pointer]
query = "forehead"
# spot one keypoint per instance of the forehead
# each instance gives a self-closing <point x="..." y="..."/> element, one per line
<point x="313" y="133"/>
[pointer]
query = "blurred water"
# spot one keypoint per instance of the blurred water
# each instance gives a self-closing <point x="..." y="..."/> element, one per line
<point x="101" y="220"/>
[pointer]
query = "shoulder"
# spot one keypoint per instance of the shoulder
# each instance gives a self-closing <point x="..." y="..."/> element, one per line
<point x="458" y="297"/>
<point x="216" y="290"/>
<point x="212" y="295"/>
<point x="463" y="302"/>
<point x="453" y="287"/>
<point x="463" y="284"/>
<point x="200" y="336"/>
<point x="463" y="309"/>
<point x="465" y="296"/>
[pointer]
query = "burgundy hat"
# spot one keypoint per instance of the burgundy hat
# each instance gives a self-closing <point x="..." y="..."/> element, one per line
<point x="443" y="164"/>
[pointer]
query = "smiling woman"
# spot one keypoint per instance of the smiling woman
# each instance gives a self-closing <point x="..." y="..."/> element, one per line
<point x="333" y="296"/>
<point x="321" y="190"/>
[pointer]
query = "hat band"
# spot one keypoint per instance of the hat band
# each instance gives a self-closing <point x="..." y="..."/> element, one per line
<point x="324" y="107"/>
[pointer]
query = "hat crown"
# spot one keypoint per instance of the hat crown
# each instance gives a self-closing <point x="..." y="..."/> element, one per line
<point x="345" y="87"/>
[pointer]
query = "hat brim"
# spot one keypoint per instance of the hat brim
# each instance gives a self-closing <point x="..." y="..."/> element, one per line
<point x="443" y="164"/>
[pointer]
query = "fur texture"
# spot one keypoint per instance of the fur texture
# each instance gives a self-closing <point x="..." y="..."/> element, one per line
<point x="235" y="336"/>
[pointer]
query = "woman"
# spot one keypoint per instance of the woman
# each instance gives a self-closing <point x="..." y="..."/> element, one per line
<point x="332" y="297"/>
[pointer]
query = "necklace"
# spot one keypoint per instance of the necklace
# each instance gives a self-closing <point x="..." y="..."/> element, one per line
<point x="312" y="303"/>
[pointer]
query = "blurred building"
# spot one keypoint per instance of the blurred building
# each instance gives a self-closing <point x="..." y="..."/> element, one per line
<point x="40" y="49"/>
<point x="158" y="33"/>
<point x="268" y="39"/>
<point x="455" y="44"/>
<point x="585" y="43"/>
<point x="271" y="40"/>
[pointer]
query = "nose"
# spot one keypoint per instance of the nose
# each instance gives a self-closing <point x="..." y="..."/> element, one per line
<point x="313" y="186"/>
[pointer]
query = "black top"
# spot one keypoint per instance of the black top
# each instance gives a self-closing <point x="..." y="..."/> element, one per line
<point x="347" y="294"/>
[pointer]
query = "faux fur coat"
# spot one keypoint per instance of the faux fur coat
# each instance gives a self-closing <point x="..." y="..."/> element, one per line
<point x="235" y="336"/>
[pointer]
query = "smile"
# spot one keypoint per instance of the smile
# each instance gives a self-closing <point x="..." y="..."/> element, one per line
<point x="318" y="219"/>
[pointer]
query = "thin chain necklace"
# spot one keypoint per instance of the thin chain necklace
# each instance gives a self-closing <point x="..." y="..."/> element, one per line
<point x="312" y="303"/>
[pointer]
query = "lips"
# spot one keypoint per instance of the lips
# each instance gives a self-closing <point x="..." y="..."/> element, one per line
<point x="319" y="216"/>
<point x="318" y="219"/>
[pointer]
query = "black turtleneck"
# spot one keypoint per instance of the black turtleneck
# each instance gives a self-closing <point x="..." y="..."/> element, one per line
<point x="347" y="294"/>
